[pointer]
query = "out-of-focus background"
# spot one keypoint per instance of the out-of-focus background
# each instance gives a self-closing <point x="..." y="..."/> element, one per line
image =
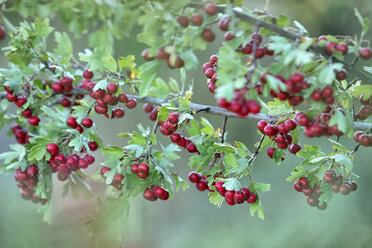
<point x="189" y="220"/>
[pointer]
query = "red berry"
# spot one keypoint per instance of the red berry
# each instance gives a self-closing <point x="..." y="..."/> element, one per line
<point x="297" y="187"/>
<point x="83" y="163"/>
<point x="294" y="148"/>
<point x="270" y="152"/>
<point x="191" y="147"/>
<point x="118" y="113"/>
<point x="149" y="195"/>
<point x="88" y="74"/>
<point x="223" y="24"/>
<point x="2" y="32"/>
<point x="303" y="182"/>
<point x="260" y="53"/>
<point x="208" y="35"/>
<point x="104" y="169"/>
<point x="132" y="103"/>
<point x="32" y="171"/>
<point x="252" y="198"/>
<point x="52" y="148"/>
<point x="159" y="191"/>
<point x="123" y="98"/>
<point x="93" y="145"/>
<point x="175" y="137"/>
<point x="65" y="102"/>
<point x="79" y="128"/>
<point x="307" y="190"/>
<point x="230" y="201"/>
<point x="196" y="20"/>
<point x="290" y="125"/>
<point x="118" y="178"/>
<point x="312" y="201"/>
<point x="148" y="107"/>
<point x="112" y="88"/>
<point x="183" y="21"/>
<point x="87" y="122"/>
<point x="210" y="9"/>
<point x="239" y="197"/>
<point x="71" y="121"/>
<point x="193" y="177"/>
<point x="270" y="130"/>
<point x="365" y="53"/>
<point x="327" y="92"/>
<point x="297" y="78"/>
<point x="57" y="87"/>
<point x="134" y="168"/>
<point x="210" y="72"/>
<point x="27" y="113"/>
<point x="342" y="47"/>
<point x="201" y="185"/>
<point x="330" y="47"/>
<point x="143" y="168"/>
<point x="261" y="125"/>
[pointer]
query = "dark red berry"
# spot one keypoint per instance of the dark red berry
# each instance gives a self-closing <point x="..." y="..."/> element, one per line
<point x="132" y="103"/>
<point x="365" y="53"/>
<point x="196" y="20"/>
<point x="87" y="122"/>
<point x="210" y="9"/>
<point x="88" y="74"/>
<point x="52" y="148"/>
<point x="193" y="177"/>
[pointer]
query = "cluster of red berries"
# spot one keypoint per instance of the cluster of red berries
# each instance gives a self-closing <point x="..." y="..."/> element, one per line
<point x="342" y="47"/>
<point x="20" y="101"/>
<point x="239" y="104"/>
<point x="162" y="54"/>
<point x="184" y="142"/>
<point x="86" y="122"/>
<point x="248" y="48"/>
<point x="331" y="46"/>
<point x="107" y="97"/>
<point x="142" y="169"/>
<point x="210" y="72"/>
<point x="366" y="109"/>
<point x="325" y="95"/>
<point x="312" y="193"/>
<point x="26" y="181"/>
<point x="200" y="181"/>
<point x="337" y="183"/>
<point x="21" y="136"/>
<point x="280" y="134"/>
<point x="2" y="32"/>
<point x="64" y="86"/>
<point x="151" y="110"/>
<point x="197" y="20"/>
<point x="233" y="197"/>
<point x="116" y="181"/>
<point x="363" y="138"/>
<point x="153" y="193"/>
<point x="318" y="126"/>
<point x="295" y="84"/>
<point x="64" y="166"/>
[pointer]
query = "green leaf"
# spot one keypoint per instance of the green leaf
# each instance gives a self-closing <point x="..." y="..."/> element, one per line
<point x="232" y="184"/>
<point x="262" y="187"/>
<point x="297" y="173"/>
<point x="344" y="160"/>
<point x="149" y="71"/>
<point x="102" y="84"/>
<point x="215" y="198"/>
<point x="126" y="62"/>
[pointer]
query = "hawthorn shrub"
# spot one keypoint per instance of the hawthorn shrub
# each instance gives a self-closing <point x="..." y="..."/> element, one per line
<point x="267" y="70"/>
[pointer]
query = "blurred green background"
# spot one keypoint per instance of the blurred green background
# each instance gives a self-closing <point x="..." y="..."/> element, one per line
<point x="189" y="220"/>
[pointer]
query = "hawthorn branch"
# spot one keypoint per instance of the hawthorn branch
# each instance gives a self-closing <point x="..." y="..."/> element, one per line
<point x="285" y="33"/>
<point x="196" y="108"/>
